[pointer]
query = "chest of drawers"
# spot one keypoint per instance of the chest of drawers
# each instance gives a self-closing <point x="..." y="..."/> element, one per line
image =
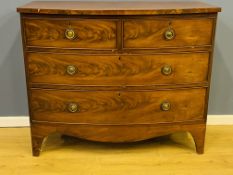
<point x="118" y="71"/>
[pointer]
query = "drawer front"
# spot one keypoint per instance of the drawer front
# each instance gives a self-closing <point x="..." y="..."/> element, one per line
<point x="118" y="70"/>
<point x="123" y="107"/>
<point x="162" y="33"/>
<point x="83" y="33"/>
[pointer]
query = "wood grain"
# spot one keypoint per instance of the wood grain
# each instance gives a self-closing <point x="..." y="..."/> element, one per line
<point x="117" y="70"/>
<point x="107" y="133"/>
<point x="172" y="154"/>
<point x="119" y="51"/>
<point x="117" y="107"/>
<point x="149" y="33"/>
<point x="104" y="133"/>
<point x="117" y="8"/>
<point x="89" y="33"/>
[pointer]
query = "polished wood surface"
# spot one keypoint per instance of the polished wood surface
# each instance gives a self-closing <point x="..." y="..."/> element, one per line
<point x="118" y="69"/>
<point x="121" y="72"/>
<point x="144" y="33"/>
<point x="171" y="154"/>
<point x="88" y="33"/>
<point x="117" y="8"/>
<point x="121" y="133"/>
<point x="118" y="107"/>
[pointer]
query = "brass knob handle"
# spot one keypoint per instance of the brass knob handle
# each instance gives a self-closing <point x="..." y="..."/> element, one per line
<point x="70" y="34"/>
<point x="166" y="70"/>
<point x="169" y="34"/>
<point x="72" y="107"/>
<point x="71" y="69"/>
<point x="165" y="106"/>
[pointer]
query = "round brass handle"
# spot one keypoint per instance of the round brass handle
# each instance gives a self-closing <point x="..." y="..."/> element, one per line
<point x="71" y="69"/>
<point x="165" y="106"/>
<point x="169" y="34"/>
<point x="166" y="70"/>
<point x="70" y="34"/>
<point x="72" y="107"/>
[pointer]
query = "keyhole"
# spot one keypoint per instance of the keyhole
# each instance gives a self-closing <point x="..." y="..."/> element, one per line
<point x="119" y="58"/>
<point x="119" y="94"/>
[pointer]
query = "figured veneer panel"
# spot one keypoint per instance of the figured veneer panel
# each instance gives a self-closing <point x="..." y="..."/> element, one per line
<point x="89" y="33"/>
<point x="118" y="69"/>
<point x="149" y="33"/>
<point x="122" y="107"/>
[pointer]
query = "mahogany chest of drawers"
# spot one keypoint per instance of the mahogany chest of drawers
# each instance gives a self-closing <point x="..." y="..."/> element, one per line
<point x="118" y="71"/>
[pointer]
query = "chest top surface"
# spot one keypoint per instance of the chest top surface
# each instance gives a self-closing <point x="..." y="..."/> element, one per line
<point x="117" y="8"/>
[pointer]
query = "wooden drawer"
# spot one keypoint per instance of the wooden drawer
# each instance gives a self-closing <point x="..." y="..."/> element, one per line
<point x="70" y="33"/>
<point x="118" y="70"/>
<point x="156" y="33"/>
<point x="109" y="107"/>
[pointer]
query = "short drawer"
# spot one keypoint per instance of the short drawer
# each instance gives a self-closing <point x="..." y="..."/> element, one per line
<point x="118" y="69"/>
<point x="122" y="107"/>
<point x="70" y="33"/>
<point x="163" y="33"/>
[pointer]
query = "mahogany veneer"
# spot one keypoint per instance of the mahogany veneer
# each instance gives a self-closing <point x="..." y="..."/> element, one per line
<point x="118" y="71"/>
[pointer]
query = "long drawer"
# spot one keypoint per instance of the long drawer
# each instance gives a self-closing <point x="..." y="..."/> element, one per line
<point x="122" y="107"/>
<point x="118" y="70"/>
<point x="70" y="33"/>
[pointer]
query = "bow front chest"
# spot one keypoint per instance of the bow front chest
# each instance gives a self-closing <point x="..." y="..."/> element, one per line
<point x="118" y="71"/>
